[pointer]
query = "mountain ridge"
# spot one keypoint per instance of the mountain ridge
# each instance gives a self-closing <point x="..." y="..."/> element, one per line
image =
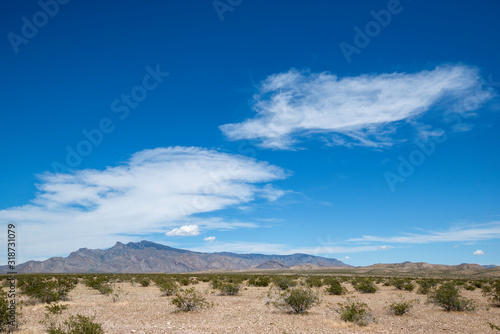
<point x="146" y="256"/>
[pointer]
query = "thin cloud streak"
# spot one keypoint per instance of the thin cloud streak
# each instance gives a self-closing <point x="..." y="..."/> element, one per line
<point x="362" y="110"/>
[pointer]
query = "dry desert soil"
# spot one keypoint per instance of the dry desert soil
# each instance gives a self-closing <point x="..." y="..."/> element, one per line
<point x="144" y="310"/>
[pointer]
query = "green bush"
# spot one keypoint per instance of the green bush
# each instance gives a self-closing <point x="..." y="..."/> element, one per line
<point x="284" y="282"/>
<point x="355" y="312"/>
<point x="259" y="281"/>
<point x="426" y="285"/>
<point x="189" y="300"/>
<point x="168" y="287"/>
<point x="401" y="307"/>
<point x="144" y="281"/>
<point x="78" y="324"/>
<point x="45" y="290"/>
<point x="296" y="300"/>
<point x="403" y="284"/>
<point x="5" y="320"/>
<point x="493" y="292"/>
<point x="364" y="285"/>
<point x="229" y="289"/>
<point x="336" y="288"/>
<point x="314" y="281"/>
<point x="448" y="297"/>
<point x="56" y="308"/>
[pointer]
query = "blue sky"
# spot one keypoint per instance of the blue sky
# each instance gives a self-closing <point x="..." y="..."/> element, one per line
<point x="361" y="130"/>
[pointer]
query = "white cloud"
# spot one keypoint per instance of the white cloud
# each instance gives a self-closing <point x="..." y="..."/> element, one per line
<point x="209" y="239"/>
<point x="360" y="110"/>
<point x="184" y="231"/>
<point x="478" y="252"/>
<point x="461" y="234"/>
<point x="346" y="258"/>
<point x="382" y="247"/>
<point x="153" y="192"/>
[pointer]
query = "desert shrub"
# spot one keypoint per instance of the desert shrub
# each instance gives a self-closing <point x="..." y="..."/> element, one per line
<point x="5" y="320"/>
<point x="425" y="286"/>
<point x="45" y="291"/>
<point x="356" y="312"/>
<point x="448" y="297"/>
<point x="144" y="281"/>
<point x="228" y="289"/>
<point x="189" y="300"/>
<point x="493" y="292"/>
<point x="185" y="281"/>
<point x="260" y="281"/>
<point x="56" y="308"/>
<point x="313" y="281"/>
<point x="78" y="324"/>
<point x="336" y="288"/>
<point x="117" y="294"/>
<point x="216" y="283"/>
<point x="401" y="306"/>
<point x="296" y="300"/>
<point x="403" y="284"/>
<point x="204" y="279"/>
<point x="364" y="285"/>
<point x="493" y="326"/>
<point x="168" y="287"/>
<point x="470" y="287"/>
<point x="284" y="282"/>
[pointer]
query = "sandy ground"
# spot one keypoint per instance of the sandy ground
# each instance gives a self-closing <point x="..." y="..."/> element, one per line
<point x="142" y="310"/>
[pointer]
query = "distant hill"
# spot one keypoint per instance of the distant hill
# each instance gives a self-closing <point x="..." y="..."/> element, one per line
<point x="272" y="264"/>
<point x="146" y="256"/>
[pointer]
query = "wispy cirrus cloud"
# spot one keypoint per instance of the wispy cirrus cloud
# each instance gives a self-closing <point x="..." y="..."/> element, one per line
<point x="362" y="110"/>
<point x="154" y="191"/>
<point x="457" y="234"/>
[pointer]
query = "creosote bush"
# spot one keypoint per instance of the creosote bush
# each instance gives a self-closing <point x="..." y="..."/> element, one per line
<point x="78" y="324"/>
<point x="336" y="288"/>
<point x="190" y="300"/>
<point x="228" y="289"/>
<point x="364" y="285"/>
<point x="448" y="297"/>
<point x="493" y="292"/>
<point x="259" y="281"/>
<point x="46" y="290"/>
<point x="356" y="312"/>
<point x="56" y="308"/>
<point x="5" y="320"/>
<point x="284" y="282"/>
<point x="168" y="287"/>
<point x="401" y="306"/>
<point x="296" y="300"/>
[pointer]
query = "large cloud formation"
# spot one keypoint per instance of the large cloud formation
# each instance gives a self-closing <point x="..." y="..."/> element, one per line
<point x="362" y="110"/>
<point x="152" y="192"/>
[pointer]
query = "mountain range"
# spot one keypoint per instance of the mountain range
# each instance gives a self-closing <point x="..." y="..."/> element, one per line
<point x="147" y="257"/>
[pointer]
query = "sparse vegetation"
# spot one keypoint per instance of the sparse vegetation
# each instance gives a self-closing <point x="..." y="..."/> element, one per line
<point x="401" y="306"/>
<point x="229" y="289"/>
<point x="296" y="300"/>
<point x="493" y="292"/>
<point x="56" y="308"/>
<point x="448" y="297"/>
<point x="356" y="312"/>
<point x="78" y="324"/>
<point x="189" y="300"/>
<point x="336" y="288"/>
<point x="364" y="285"/>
